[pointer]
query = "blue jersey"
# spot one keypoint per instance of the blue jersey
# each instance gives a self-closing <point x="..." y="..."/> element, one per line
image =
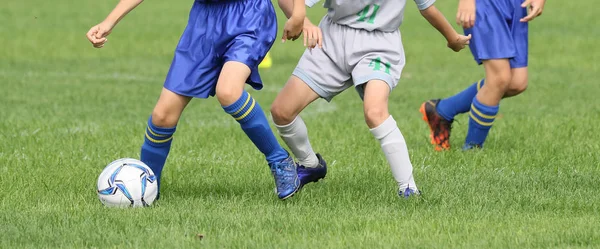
<point x="498" y="33"/>
<point x="219" y="31"/>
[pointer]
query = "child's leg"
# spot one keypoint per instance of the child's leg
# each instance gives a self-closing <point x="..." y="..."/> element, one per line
<point x="486" y="104"/>
<point x="518" y="83"/>
<point x="243" y="108"/>
<point x="292" y="99"/>
<point x="161" y="126"/>
<point x="384" y="128"/>
<point x="448" y="108"/>
<point x="246" y="110"/>
<point x="319" y="73"/>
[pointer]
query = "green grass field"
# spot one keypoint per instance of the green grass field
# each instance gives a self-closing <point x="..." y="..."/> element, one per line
<point x="68" y="109"/>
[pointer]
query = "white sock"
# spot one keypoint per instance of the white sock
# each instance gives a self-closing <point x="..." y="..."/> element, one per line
<point x="395" y="150"/>
<point x="295" y="136"/>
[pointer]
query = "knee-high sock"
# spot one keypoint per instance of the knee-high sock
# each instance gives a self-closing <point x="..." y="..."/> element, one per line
<point x="295" y="136"/>
<point x="156" y="147"/>
<point x="448" y="108"/>
<point x="481" y="119"/>
<point x="253" y="121"/>
<point x="396" y="152"/>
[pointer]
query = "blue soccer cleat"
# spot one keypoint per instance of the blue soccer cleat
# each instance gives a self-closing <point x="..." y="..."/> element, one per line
<point x="308" y="175"/>
<point x="286" y="178"/>
<point x="408" y="192"/>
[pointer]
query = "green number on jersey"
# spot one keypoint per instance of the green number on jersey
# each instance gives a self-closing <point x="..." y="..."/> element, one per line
<point x="376" y="65"/>
<point x="362" y="15"/>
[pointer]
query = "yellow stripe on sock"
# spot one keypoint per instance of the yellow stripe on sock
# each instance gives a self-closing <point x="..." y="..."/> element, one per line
<point x="161" y="141"/>
<point x="479" y="121"/>
<point x="242" y="108"/>
<point x="248" y="111"/>
<point x="154" y="134"/>
<point x="481" y="114"/>
<point x="479" y="84"/>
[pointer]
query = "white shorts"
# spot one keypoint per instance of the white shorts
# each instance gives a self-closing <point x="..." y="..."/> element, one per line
<point x="351" y="57"/>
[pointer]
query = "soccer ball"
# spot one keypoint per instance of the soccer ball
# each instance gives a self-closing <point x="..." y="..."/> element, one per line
<point x="127" y="182"/>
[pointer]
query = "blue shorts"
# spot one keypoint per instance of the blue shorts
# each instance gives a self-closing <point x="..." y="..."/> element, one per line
<point x="498" y="33"/>
<point x="218" y="32"/>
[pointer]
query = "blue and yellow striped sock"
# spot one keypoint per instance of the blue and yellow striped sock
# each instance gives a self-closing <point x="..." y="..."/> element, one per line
<point x="448" y="108"/>
<point x="481" y="119"/>
<point x="254" y="123"/>
<point x="156" y="147"/>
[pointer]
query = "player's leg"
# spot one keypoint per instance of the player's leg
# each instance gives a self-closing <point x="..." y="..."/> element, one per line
<point x="243" y="49"/>
<point x="505" y="67"/>
<point x="292" y="99"/>
<point x="518" y="82"/>
<point x="180" y="85"/>
<point x="439" y="114"/>
<point x="449" y="107"/>
<point x="320" y="73"/>
<point x="377" y="72"/>
<point x="520" y="37"/>
<point x="248" y="113"/>
<point x="385" y="130"/>
<point x="246" y="110"/>
<point x="161" y="127"/>
<point x="486" y="103"/>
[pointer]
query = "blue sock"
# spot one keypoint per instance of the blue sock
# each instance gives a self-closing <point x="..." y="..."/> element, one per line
<point x="448" y="108"/>
<point x="254" y="123"/>
<point x="155" y="149"/>
<point x="481" y="119"/>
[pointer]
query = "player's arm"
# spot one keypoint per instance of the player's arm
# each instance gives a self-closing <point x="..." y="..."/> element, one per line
<point x="295" y="10"/>
<point x="97" y="34"/>
<point x="465" y="16"/>
<point x="455" y="41"/>
<point x="536" y="8"/>
<point x="287" y="6"/>
<point x="312" y="33"/>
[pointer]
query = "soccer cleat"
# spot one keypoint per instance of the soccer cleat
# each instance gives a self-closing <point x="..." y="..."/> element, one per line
<point x="470" y="146"/>
<point x="408" y="192"/>
<point x="439" y="127"/>
<point x="286" y="178"/>
<point x="308" y="175"/>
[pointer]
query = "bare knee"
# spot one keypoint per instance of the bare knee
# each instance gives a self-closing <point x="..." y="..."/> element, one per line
<point x="517" y="86"/>
<point x="228" y="95"/>
<point x="162" y="118"/>
<point x="292" y="99"/>
<point x="375" y="115"/>
<point x="500" y="80"/>
<point x="518" y="82"/>
<point x="281" y="114"/>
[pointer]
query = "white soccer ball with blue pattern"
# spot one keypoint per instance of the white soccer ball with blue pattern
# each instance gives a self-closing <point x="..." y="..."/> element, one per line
<point x="127" y="182"/>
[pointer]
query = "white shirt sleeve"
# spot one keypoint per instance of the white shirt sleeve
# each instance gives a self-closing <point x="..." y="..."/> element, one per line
<point x="311" y="3"/>
<point x="421" y="4"/>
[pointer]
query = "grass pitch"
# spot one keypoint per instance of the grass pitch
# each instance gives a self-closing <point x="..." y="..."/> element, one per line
<point x="68" y="110"/>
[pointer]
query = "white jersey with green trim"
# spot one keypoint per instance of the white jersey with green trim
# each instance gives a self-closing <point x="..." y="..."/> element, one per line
<point x="383" y="15"/>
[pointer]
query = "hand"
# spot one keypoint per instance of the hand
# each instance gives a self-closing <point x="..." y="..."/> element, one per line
<point x="535" y="9"/>
<point x="97" y="34"/>
<point x="459" y="42"/>
<point x="312" y="35"/>
<point x="292" y="28"/>
<point x="465" y="16"/>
